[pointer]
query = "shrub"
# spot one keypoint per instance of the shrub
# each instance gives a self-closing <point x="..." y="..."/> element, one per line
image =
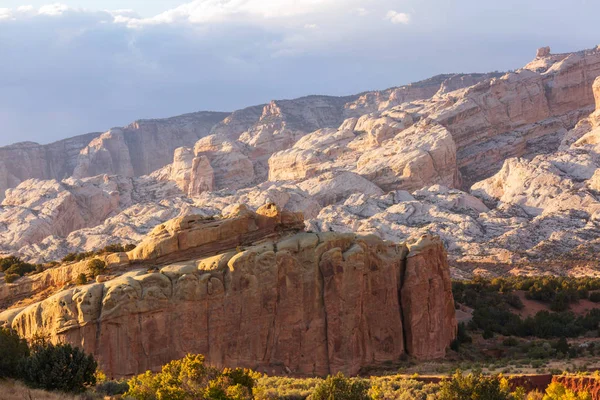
<point x="189" y="378"/>
<point x="112" y="388"/>
<point x="341" y="388"/>
<point x="400" y="388"/>
<point x="10" y="278"/>
<point x="556" y="391"/>
<point x="488" y="334"/>
<point x="13" y="350"/>
<point x="510" y="342"/>
<point x="474" y="386"/>
<point x="96" y="267"/>
<point x="59" y="367"/>
<point x="81" y="279"/>
<point x="6" y="263"/>
<point x="595" y="297"/>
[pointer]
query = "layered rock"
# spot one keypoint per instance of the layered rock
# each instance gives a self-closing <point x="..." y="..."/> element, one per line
<point x="307" y="304"/>
<point x="135" y="150"/>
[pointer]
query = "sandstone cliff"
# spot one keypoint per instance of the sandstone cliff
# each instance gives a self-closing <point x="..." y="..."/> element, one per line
<point x="304" y="304"/>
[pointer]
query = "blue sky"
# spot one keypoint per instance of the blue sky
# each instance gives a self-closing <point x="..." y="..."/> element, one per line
<point x="80" y="66"/>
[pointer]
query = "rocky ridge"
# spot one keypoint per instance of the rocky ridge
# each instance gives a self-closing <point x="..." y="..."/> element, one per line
<point x="495" y="164"/>
<point x="305" y="303"/>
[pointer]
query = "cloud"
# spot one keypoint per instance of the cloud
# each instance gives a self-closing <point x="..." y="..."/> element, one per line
<point x="361" y="11"/>
<point x="397" y="17"/>
<point x="76" y="70"/>
<point x="5" y="13"/>
<point x="211" y="11"/>
<point x="53" y="9"/>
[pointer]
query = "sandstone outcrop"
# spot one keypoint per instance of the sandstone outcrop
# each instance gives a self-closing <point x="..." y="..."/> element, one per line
<point x="135" y="150"/>
<point x="306" y="304"/>
<point x="524" y="143"/>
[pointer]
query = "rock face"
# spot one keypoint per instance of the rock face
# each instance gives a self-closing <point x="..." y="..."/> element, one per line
<point x="309" y="304"/>
<point x="135" y="150"/>
<point x="501" y="166"/>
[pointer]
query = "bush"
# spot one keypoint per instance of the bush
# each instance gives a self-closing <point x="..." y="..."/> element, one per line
<point x="13" y="350"/>
<point x="96" y="267"/>
<point x="556" y="391"/>
<point x="475" y="386"/>
<point x="189" y="378"/>
<point x="400" y="388"/>
<point x="112" y="388"/>
<point x="595" y="297"/>
<point x="510" y="342"/>
<point x="285" y="388"/>
<point x="81" y="279"/>
<point x="59" y="367"/>
<point x="6" y="263"/>
<point x="341" y="388"/>
<point x="10" y="278"/>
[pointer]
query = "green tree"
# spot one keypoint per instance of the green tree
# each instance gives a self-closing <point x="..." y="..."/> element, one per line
<point x="96" y="267"/>
<point x="339" y="387"/>
<point x="13" y="350"/>
<point x="59" y="367"/>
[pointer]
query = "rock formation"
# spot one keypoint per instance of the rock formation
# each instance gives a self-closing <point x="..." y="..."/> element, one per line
<point x="306" y="304"/>
<point x="501" y="166"/>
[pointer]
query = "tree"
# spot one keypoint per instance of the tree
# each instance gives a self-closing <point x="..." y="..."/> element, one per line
<point x="96" y="267"/>
<point x="59" y="367"/>
<point x="13" y="350"/>
<point x="339" y="387"/>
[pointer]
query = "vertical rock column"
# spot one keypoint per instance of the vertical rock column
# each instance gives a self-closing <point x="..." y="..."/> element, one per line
<point x="427" y="303"/>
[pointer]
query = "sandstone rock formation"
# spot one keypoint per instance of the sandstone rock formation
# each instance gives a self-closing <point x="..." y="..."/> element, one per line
<point x="521" y="146"/>
<point x="307" y="304"/>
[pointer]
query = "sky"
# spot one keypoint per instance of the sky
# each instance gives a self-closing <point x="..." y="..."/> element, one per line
<point x="74" y="67"/>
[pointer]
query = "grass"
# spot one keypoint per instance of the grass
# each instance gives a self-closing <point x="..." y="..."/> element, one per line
<point x="12" y="390"/>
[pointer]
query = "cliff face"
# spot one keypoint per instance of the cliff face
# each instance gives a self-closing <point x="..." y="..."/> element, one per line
<point x="303" y="304"/>
<point x="135" y="150"/>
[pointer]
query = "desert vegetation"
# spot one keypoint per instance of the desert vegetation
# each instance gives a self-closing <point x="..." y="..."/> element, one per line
<point x="64" y="369"/>
<point x="495" y="306"/>
<point x="110" y="249"/>
<point x="14" y="268"/>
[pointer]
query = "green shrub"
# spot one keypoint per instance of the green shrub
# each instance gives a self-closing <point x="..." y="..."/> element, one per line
<point x="13" y="350"/>
<point x="189" y="378"/>
<point x="10" y="278"/>
<point x="96" y="267"/>
<point x="556" y="391"/>
<point x="399" y="388"/>
<point x="595" y="297"/>
<point x="474" y="386"/>
<point x="59" y="367"/>
<point x="112" y="388"/>
<point x="81" y="279"/>
<point x="7" y="262"/>
<point x="488" y="334"/>
<point x="341" y="388"/>
<point x="510" y="342"/>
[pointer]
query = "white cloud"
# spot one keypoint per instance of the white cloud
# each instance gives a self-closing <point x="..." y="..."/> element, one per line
<point x="396" y="17"/>
<point x="25" y="9"/>
<point x="53" y="9"/>
<point x="361" y="12"/>
<point x="207" y="11"/>
<point x="5" y="13"/>
<point x="311" y="26"/>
